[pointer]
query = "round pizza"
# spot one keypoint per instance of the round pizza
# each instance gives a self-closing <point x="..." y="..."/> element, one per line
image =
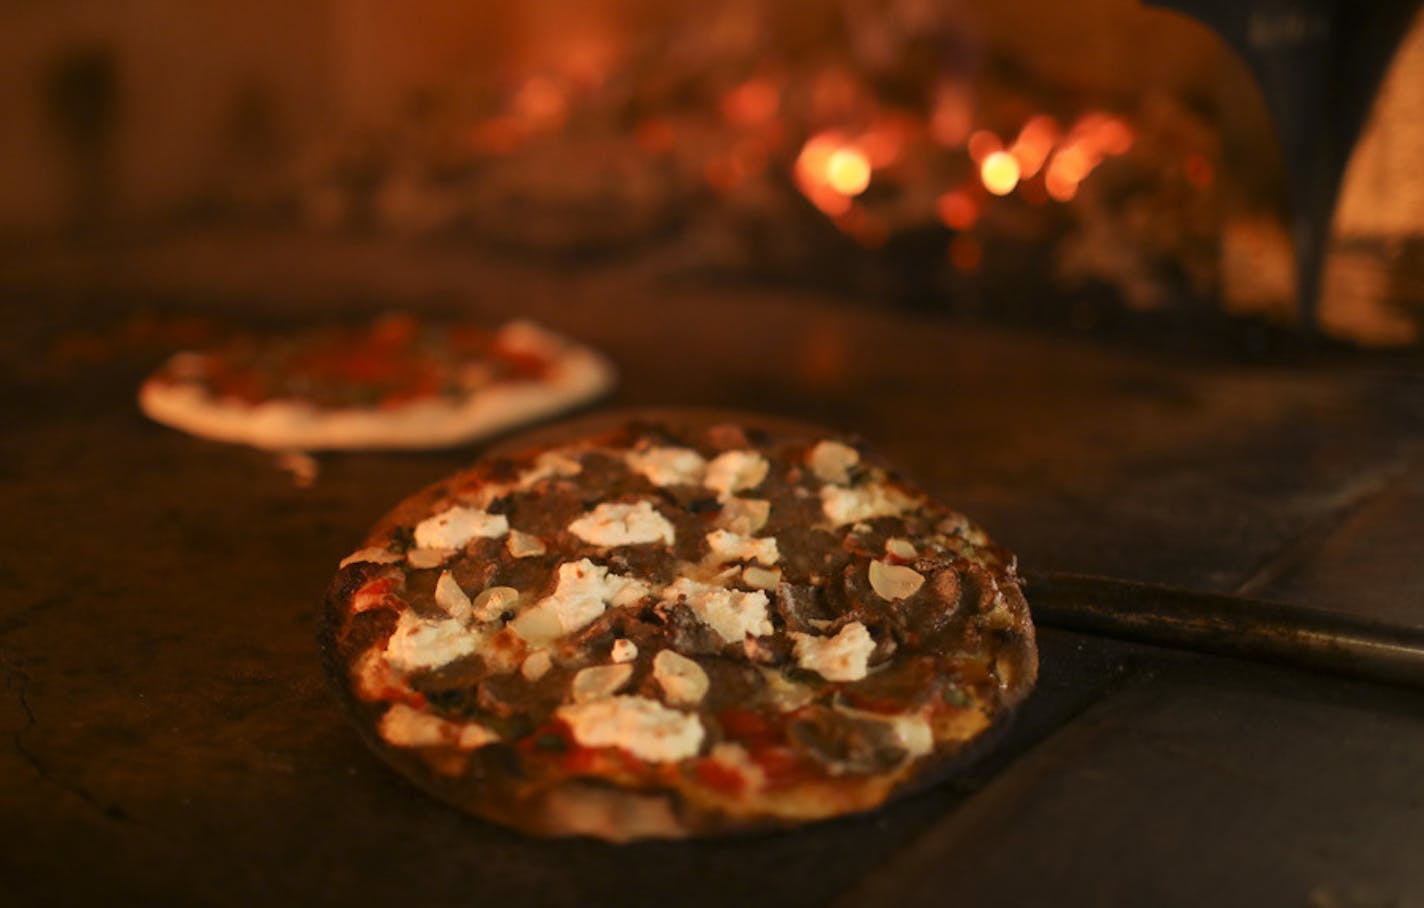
<point x="397" y="382"/>
<point x="676" y="627"/>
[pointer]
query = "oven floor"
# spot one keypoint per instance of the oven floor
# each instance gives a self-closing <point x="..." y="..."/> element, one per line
<point x="170" y="739"/>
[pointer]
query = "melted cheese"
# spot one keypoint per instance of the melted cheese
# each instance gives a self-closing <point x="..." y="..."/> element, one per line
<point x="683" y="681"/>
<point x="843" y="657"/>
<point x="645" y="728"/>
<point x="583" y="591"/>
<point x="620" y="523"/>
<point x="454" y="527"/>
<point x="832" y="461"/>
<point x="842" y="506"/>
<point x="550" y="464"/>
<point x="732" y="614"/>
<point x="668" y="466"/>
<point x="733" y="471"/>
<point x="405" y="726"/>
<point x="728" y="546"/>
<point x="420" y="644"/>
<point x="744" y="515"/>
<point x="623" y="651"/>
<point x="536" y="665"/>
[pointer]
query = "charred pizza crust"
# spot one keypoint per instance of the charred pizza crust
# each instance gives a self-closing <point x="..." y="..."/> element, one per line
<point x="677" y="627"/>
<point x="399" y="382"/>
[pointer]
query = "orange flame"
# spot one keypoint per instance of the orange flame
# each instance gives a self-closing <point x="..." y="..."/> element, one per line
<point x="1034" y="143"/>
<point x="957" y="209"/>
<point x="982" y="144"/>
<point x="830" y="171"/>
<point x="952" y="115"/>
<point x="999" y="173"/>
<point x="753" y="103"/>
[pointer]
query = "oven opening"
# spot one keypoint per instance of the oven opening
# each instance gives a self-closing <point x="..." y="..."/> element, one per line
<point x="1106" y="168"/>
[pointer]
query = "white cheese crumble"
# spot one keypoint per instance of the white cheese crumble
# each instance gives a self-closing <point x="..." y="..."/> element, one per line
<point x="832" y="461"/>
<point x="623" y="650"/>
<point x="451" y="598"/>
<point x="428" y="558"/>
<point x="583" y="591"/>
<point x="683" y="681"/>
<point x="744" y="515"/>
<point x="599" y="681"/>
<point x="842" y="506"/>
<point x="417" y="643"/>
<point x="405" y="726"/>
<point x="536" y="665"/>
<point x="668" y="466"/>
<point x="616" y="523"/>
<point x="554" y="464"/>
<point x="645" y="728"/>
<point x="732" y="471"/>
<point x="728" y="546"/>
<point x="454" y="527"/>
<point x="732" y="614"/>
<point x="839" y="658"/>
<point x="371" y="556"/>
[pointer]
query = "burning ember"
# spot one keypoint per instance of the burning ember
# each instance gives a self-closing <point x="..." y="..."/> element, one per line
<point x="749" y="156"/>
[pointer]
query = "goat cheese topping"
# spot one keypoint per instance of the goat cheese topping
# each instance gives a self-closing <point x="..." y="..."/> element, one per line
<point x="645" y="728"/>
<point x="842" y="506"/>
<point x="454" y="527"/>
<point x="420" y="644"/>
<point x="583" y="591"/>
<point x="728" y="546"/>
<point x="843" y="657"/>
<point x="405" y="726"/>
<point x="620" y="523"/>
<point x="550" y="465"/>
<point x="832" y="461"/>
<point x="536" y="665"/>
<point x="744" y="515"/>
<point x="623" y="651"/>
<point x="732" y="614"/>
<point x="733" y="471"/>
<point x="668" y="466"/>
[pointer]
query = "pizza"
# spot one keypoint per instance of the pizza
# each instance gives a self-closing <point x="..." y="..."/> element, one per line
<point x="675" y="627"/>
<point x="396" y="382"/>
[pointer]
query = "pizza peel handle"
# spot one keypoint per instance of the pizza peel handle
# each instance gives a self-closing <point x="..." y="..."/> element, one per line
<point x="1255" y="629"/>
